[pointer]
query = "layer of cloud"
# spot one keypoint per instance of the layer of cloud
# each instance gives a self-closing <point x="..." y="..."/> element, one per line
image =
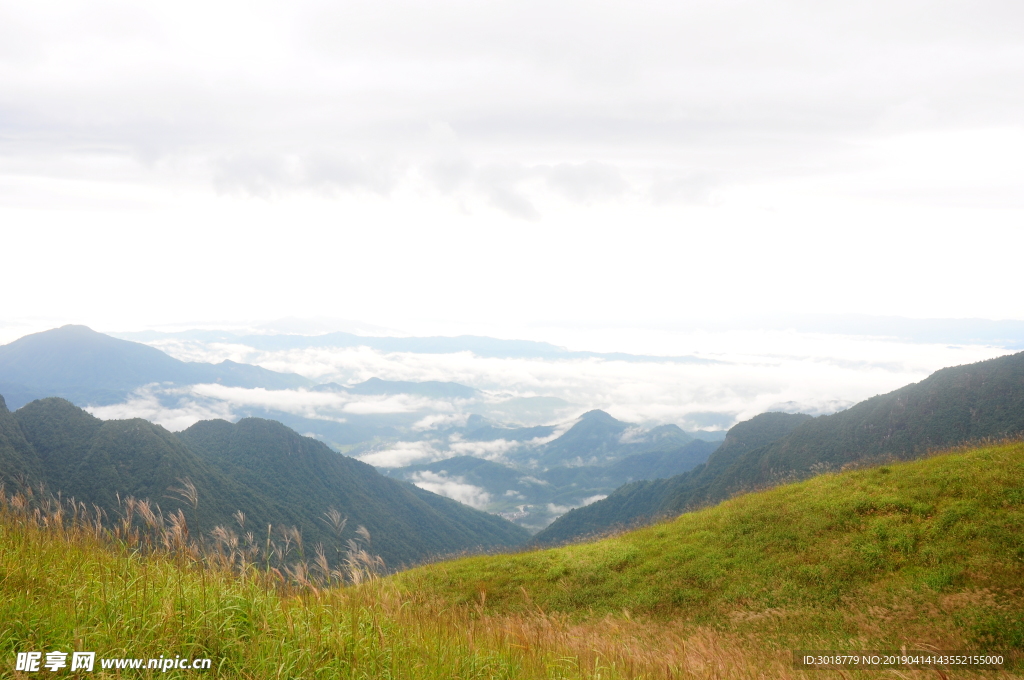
<point x="659" y="97"/>
<point x="493" y="450"/>
<point x="755" y="372"/>
<point x="402" y="454"/>
<point x="455" y="488"/>
<point x="150" y="403"/>
<point x="440" y="420"/>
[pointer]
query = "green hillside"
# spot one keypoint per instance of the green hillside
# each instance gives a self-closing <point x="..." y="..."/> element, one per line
<point x="263" y="469"/>
<point x="927" y="555"/>
<point x="952" y="406"/>
<point x="809" y="552"/>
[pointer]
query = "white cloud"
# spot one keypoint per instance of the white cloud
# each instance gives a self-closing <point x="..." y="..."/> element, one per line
<point x="402" y="454"/>
<point x="455" y="488"/>
<point x="309" y="404"/>
<point x="558" y="431"/>
<point x="754" y="371"/>
<point x="631" y="434"/>
<point x="666" y="138"/>
<point x="439" y="420"/>
<point x="600" y="184"/>
<point x="492" y="450"/>
<point x="396" y="403"/>
<point x="293" y="401"/>
<point x="558" y="510"/>
<point x="145" y="403"/>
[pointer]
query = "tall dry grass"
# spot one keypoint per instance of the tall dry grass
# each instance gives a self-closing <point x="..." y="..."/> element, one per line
<point x="261" y="605"/>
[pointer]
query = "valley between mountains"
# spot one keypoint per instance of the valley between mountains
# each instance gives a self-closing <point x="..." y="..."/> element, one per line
<point x="833" y="531"/>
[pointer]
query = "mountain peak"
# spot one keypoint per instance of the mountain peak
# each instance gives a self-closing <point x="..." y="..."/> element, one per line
<point x="73" y="328"/>
<point x="3" y="405"/>
<point x="597" y="415"/>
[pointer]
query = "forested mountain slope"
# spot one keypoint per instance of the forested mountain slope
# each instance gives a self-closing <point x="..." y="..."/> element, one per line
<point x="262" y="468"/>
<point x="407" y="524"/>
<point x="639" y="501"/>
<point x="953" y="405"/>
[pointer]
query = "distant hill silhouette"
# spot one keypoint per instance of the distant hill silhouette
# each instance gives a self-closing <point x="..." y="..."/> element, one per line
<point x="86" y="367"/>
<point x="597" y="438"/>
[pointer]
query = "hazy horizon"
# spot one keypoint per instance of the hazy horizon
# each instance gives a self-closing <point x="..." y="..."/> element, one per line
<point x="697" y="379"/>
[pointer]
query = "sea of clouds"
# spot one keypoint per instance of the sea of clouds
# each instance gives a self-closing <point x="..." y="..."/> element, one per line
<point x="739" y="374"/>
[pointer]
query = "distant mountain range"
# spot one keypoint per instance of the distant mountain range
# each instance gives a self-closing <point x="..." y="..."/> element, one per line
<point x="93" y="369"/>
<point x="1007" y="333"/>
<point x="534" y="484"/>
<point x="614" y="473"/>
<point x="478" y="345"/>
<point x="86" y="367"/>
<point x="952" y="406"/>
<point x="542" y="474"/>
<point x="260" y="467"/>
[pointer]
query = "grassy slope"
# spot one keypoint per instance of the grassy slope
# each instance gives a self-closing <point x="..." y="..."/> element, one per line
<point x="952" y="523"/>
<point x="80" y="595"/>
<point x="65" y="590"/>
<point x="926" y="553"/>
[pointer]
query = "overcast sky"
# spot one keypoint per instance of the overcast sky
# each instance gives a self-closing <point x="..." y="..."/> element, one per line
<point x="471" y="166"/>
